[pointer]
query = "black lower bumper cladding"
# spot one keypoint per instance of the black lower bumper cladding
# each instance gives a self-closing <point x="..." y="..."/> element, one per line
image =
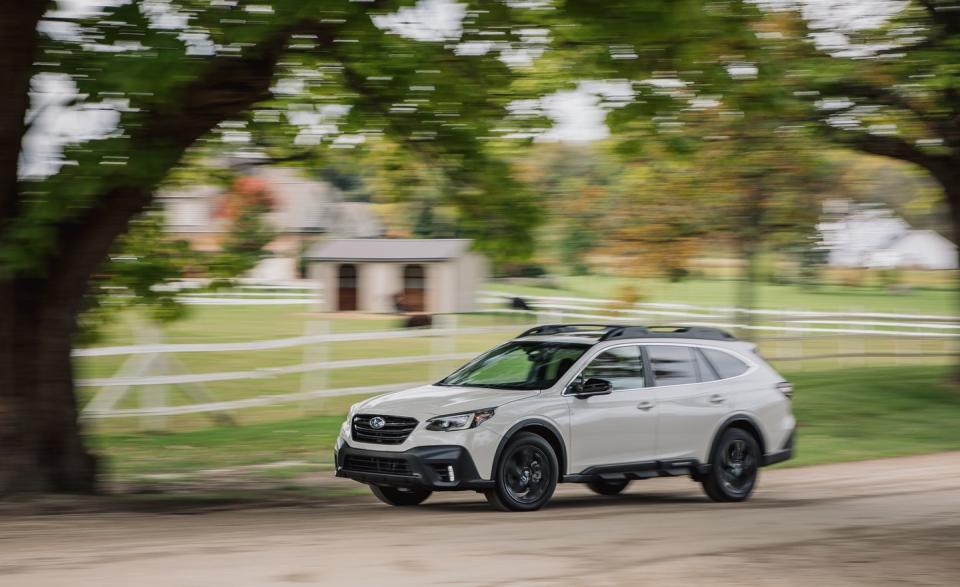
<point x="424" y="466"/>
<point x="784" y="454"/>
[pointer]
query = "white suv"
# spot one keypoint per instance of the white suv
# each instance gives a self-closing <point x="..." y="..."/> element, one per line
<point x="593" y="404"/>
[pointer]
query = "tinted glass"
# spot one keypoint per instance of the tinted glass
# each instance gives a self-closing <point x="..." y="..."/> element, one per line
<point x="518" y="365"/>
<point x="725" y="365"/>
<point x="621" y="366"/>
<point x="672" y="365"/>
<point x="704" y="367"/>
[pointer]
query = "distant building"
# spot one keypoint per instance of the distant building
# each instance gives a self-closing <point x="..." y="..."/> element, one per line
<point x="303" y="211"/>
<point x="857" y="235"/>
<point x="370" y="275"/>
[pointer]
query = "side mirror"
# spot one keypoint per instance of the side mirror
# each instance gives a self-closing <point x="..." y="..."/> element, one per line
<point x="591" y="387"/>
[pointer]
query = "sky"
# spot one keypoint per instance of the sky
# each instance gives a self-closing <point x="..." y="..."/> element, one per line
<point x="578" y="114"/>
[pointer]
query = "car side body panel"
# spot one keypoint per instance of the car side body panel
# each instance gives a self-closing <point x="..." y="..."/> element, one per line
<point x="659" y="426"/>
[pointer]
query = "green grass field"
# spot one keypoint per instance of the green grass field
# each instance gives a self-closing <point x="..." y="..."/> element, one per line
<point x="843" y="414"/>
<point x="848" y="408"/>
<point x="722" y="292"/>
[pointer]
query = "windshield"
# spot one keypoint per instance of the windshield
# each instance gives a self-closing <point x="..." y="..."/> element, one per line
<point x="518" y="365"/>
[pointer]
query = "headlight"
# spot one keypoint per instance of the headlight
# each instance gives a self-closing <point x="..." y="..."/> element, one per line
<point x="459" y="421"/>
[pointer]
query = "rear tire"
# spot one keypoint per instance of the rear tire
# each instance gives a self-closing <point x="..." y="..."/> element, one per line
<point x="400" y="496"/>
<point x="605" y="487"/>
<point x="734" y="466"/>
<point x="525" y="476"/>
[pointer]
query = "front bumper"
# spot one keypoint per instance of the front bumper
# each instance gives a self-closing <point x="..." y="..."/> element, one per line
<point x="424" y="466"/>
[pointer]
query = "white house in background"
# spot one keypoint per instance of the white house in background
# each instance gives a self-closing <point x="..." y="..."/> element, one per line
<point x="858" y="235"/>
<point x="437" y="276"/>
<point x="303" y="211"/>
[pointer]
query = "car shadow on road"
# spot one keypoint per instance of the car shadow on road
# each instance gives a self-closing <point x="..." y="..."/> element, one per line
<point x="659" y="502"/>
<point x="569" y="502"/>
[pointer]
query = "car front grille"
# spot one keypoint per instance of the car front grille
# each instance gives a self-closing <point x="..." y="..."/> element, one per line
<point x="395" y="430"/>
<point x="367" y="464"/>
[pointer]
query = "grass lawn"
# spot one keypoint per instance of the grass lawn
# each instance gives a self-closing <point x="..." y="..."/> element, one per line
<point x="722" y="292"/>
<point x="844" y="414"/>
<point x="848" y="408"/>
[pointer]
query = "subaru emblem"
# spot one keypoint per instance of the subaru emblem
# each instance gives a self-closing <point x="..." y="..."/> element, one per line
<point x="377" y="422"/>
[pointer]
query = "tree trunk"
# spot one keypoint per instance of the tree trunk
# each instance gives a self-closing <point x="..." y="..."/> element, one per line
<point x="41" y="445"/>
<point x="43" y="450"/>
<point x="746" y="288"/>
<point x="951" y="187"/>
<point x="751" y="217"/>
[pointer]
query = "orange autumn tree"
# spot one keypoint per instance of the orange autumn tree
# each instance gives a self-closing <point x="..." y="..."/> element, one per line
<point x="245" y="207"/>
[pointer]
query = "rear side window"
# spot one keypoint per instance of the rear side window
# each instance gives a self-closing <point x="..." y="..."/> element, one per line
<point x="621" y="366"/>
<point x="707" y="373"/>
<point x="724" y="364"/>
<point x="672" y="365"/>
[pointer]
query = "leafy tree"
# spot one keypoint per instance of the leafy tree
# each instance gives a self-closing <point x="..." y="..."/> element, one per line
<point x="180" y="74"/>
<point x="245" y="206"/>
<point x="894" y="90"/>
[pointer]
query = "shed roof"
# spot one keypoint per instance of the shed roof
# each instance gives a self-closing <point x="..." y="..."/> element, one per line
<point x="388" y="249"/>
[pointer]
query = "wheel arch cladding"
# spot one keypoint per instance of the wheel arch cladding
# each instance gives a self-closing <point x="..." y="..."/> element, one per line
<point x="541" y="428"/>
<point x="744" y="423"/>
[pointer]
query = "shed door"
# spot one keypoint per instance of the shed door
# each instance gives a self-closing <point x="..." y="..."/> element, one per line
<point x="414" y="288"/>
<point x="347" y="288"/>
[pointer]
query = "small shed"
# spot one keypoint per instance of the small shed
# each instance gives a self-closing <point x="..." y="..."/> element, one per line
<point x="437" y="276"/>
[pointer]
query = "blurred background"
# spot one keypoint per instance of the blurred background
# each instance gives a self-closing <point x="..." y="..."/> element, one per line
<point x="223" y="222"/>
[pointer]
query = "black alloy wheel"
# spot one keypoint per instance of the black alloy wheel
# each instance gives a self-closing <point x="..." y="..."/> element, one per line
<point x="526" y="474"/>
<point x="735" y="464"/>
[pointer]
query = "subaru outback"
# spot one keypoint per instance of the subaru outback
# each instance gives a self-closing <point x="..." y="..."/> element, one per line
<point x="577" y="403"/>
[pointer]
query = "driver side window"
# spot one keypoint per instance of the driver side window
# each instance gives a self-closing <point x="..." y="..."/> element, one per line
<point x="621" y="366"/>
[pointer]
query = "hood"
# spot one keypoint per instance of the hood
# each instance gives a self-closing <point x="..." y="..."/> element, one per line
<point x="439" y="400"/>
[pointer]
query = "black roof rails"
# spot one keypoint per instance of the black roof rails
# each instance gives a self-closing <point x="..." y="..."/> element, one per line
<point x="703" y="332"/>
<point x="548" y="329"/>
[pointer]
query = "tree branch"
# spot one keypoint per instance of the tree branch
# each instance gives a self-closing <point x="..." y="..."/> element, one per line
<point x="230" y="86"/>
<point x="891" y="146"/>
<point x="946" y="15"/>
<point x="888" y="96"/>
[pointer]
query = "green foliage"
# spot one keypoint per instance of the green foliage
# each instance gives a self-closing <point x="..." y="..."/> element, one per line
<point x="145" y="258"/>
<point x="244" y="244"/>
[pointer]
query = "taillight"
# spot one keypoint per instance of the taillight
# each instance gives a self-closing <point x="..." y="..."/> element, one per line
<point x="786" y="389"/>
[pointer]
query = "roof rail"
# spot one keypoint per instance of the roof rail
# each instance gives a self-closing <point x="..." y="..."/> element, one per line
<point x="548" y="329"/>
<point x="704" y="332"/>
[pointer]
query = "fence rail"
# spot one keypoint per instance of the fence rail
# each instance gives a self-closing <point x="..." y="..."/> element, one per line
<point x="796" y="328"/>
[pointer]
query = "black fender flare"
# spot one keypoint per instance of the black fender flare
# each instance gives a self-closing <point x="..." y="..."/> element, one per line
<point x="529" y="423"/>
<point x="734" y="419"/>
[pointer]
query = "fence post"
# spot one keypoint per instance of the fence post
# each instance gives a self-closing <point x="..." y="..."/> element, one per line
<point x="315" y="352"/>
<point x="442" y="344"/>
<point x="153" y="396"/>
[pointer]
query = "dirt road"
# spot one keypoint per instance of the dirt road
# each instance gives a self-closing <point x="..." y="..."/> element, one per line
<point x="894" y="521"/>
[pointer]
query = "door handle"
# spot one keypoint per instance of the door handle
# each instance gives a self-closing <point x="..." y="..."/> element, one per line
<point x="717" y="399"/>
<point x="644" y="405"/>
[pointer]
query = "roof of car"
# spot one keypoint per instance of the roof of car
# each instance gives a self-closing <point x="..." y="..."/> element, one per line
<point x="596" y="333"/>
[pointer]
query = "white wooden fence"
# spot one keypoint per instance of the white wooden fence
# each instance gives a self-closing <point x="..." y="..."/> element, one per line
<point x="152" y="366"/>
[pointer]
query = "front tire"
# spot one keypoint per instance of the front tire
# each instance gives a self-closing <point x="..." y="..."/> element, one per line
<point x="734" y="467"/>
<point x="400" y="496"/>
<point x="526" y="474"/>
<point x="605" y="487"/>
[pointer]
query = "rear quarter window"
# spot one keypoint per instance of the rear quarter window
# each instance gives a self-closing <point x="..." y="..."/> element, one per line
<point x="726" y="365"/>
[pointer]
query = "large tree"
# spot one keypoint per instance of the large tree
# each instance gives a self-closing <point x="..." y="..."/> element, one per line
<point x="171" y="74"/>
<point x="894" y="89"/>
